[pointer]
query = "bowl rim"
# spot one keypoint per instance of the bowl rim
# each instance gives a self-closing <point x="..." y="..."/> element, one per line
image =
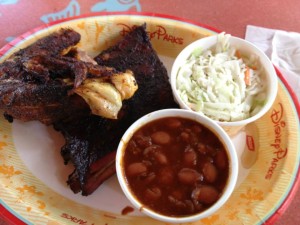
<point x="210" y="124"/>
<point x="272" y="77"/>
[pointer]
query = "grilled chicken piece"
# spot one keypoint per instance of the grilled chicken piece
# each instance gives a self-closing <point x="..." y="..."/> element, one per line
<point x="31" y="91"/>
<point x="39" y="82"/>
<point x="91" y="141"/>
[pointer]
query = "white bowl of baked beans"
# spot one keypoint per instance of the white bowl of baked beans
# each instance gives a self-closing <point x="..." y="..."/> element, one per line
<point x="176" y="165"/>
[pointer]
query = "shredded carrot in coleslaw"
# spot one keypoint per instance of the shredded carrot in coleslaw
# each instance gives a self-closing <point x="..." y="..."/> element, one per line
<point x="221" y="82"/>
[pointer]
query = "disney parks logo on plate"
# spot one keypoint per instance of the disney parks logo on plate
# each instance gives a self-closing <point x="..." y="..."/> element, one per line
<point x="160" y="33"/>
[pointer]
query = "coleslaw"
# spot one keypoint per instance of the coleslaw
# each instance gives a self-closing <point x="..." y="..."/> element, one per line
<point x="222" y="83"/>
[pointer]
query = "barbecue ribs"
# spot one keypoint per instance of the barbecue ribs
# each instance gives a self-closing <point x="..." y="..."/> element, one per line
<point x="46" y="82"/>
<point x="91" y="141"/>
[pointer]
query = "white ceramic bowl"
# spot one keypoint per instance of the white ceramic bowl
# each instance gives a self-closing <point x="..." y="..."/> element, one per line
<point x="244" y="47"/>
<point x="210" y="124"/>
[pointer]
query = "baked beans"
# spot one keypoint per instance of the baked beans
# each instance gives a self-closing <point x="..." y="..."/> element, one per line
<point x="176" y="166"/>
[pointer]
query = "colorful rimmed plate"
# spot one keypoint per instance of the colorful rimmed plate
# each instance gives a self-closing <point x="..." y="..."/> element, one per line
<point x="32" y="175"/>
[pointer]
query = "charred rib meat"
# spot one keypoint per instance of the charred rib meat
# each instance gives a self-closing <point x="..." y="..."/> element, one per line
<point x="91" y="142"/>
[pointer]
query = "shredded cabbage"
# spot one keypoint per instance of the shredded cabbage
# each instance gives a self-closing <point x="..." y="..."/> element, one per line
<point x="221" y="83"/>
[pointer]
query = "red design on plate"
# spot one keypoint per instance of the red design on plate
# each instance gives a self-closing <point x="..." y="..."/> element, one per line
<point x="160" y="34"/>
<point x="75" y="219"/>
<point x="250" y="143"/>
<point x="279" y="151"/>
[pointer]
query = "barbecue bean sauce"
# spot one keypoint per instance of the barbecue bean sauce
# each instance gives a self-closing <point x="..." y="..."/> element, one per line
<point x="175" y="166"/>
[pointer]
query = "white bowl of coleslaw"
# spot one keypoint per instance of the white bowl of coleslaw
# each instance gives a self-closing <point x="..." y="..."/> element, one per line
<point x="225" y="78"/>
